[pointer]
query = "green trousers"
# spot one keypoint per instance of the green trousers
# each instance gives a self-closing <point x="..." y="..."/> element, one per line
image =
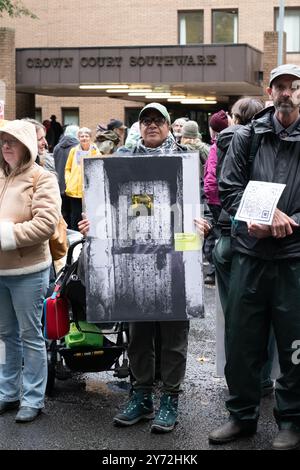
<point x="173" y="353"/>
<point x="260" y="293"/>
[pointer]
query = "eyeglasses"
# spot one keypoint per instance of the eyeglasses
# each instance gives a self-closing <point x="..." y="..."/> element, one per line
<point x="9" y="142"/>
<point x="158" y="121"/>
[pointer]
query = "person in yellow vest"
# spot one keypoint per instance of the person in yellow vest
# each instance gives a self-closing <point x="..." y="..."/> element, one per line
<point x="73" y="173"/>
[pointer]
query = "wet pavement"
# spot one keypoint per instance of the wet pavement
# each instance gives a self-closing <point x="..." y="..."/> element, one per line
<point x="79" y="414"/>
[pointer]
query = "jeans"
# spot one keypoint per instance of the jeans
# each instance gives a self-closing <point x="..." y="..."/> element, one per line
<point x="21" y="334"/>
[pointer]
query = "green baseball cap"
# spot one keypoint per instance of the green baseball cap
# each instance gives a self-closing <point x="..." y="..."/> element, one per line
<point x="160" y="108"/>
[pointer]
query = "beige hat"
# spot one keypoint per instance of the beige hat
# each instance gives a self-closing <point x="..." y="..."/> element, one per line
<point x="190" y="130"/>
<point x="23" y="131"/>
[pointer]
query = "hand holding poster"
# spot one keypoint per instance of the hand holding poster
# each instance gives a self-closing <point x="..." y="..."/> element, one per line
<point x="1" y="110"/>
<point x="144" y="258"/>
<point x="259" y="202"/>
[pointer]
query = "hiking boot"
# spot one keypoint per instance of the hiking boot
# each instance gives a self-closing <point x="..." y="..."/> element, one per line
<point x="166" y="418"/>
<point x="139" y="407"/>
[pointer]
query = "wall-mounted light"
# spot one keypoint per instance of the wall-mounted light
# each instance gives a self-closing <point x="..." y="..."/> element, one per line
<point x="102" y="87"/>
<point x="175" y="98"/>
<point x="138" y="92"/>
<point x="193" y="101"/>
<point x="158" y="95"/>
<point x="116" y="90"/>
<point x="197" y="101"/>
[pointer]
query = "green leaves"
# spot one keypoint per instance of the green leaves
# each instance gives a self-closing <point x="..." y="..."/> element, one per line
<point x="15" y="8"/>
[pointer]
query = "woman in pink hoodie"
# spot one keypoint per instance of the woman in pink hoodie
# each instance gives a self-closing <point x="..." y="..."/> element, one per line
<point x="217" y="123"/>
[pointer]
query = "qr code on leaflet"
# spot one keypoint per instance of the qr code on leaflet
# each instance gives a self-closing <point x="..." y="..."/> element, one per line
<point x="265" y="214"/>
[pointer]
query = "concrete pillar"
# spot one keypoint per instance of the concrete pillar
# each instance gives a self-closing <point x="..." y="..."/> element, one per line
<point x="8" y="71"/>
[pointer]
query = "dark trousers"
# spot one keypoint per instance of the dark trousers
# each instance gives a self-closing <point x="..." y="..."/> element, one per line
<point x="66" y="209"/>
<point x="76" y="210"/>
<point x="263" y="293"/>
<point x="222" y="256"/>
<point x="141" y="352"/>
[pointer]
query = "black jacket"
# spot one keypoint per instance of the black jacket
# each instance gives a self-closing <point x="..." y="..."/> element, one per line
<point x="277" y="161"/>
<point x="223" y="142"/>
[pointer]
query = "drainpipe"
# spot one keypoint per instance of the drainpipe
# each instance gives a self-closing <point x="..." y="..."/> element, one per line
<point x="280" y="32"/>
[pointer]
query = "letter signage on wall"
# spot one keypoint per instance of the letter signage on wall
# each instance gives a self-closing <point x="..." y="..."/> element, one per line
<point x="134" y="61"/>
<point x="47" y="67"/>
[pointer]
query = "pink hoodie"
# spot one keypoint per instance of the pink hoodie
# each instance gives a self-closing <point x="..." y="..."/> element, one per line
<point x="210" y="179"/>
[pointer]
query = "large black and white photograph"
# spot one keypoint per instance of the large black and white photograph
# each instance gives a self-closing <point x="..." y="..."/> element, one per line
<point x="144" y="257"/>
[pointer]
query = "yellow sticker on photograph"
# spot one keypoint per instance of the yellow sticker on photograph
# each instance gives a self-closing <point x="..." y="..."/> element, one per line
<point x="187" y="242"/>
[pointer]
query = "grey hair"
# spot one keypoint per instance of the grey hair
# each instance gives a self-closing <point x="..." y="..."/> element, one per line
<point x="71" y="130"/>
<point x="84" y="130"/>
<point x="38" y="125"/>
<point x="179" y="121"/>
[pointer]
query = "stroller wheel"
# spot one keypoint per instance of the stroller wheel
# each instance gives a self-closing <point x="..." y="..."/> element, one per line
<point x="51" y="358"/>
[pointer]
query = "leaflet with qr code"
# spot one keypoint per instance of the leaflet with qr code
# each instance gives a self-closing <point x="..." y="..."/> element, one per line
<point x="259" y="202"/>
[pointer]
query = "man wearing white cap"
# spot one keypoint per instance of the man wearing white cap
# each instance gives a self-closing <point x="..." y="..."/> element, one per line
<point x="264" y="286"/>
<point x="156" y="139"/>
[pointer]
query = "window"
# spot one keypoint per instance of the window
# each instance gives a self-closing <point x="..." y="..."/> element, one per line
<point x="190" y="27"/>
<point x="291" y="25"/>
<point x="38" y="114"/>
<point x="131" y="115"/>
<point x="70" y="116"/>
<point x="225" y="26"/>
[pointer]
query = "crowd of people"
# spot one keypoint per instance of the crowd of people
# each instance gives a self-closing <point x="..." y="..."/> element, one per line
<point x="257" y="266"/>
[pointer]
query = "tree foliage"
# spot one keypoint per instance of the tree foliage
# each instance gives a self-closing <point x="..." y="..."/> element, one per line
<point x="15" y="8"/>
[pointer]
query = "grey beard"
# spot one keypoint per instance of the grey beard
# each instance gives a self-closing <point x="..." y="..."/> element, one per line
<point x="284" y="108"/>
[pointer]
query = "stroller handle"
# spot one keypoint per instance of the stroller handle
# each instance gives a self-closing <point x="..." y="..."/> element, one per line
<point x="71" y="249"/>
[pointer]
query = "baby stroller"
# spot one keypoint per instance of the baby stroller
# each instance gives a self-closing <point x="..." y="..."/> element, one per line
<point x="87" y="347"/>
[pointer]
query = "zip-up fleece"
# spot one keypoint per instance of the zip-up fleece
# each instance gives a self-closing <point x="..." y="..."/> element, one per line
<point x="29" y="211"/>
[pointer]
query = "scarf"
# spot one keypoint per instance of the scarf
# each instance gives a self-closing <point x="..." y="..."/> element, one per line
<point x="168" y="146"/>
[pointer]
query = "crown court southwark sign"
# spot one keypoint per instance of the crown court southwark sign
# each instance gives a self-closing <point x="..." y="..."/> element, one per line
<point x="160" y="64"/>
<point x="134" y="61"/>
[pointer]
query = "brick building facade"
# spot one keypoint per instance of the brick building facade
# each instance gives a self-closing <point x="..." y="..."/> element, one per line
<point x="133" y="23"/>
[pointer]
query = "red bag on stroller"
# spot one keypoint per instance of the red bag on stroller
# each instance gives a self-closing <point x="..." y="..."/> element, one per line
<point x="56" y="308"/>
<point x="56" y="315"/>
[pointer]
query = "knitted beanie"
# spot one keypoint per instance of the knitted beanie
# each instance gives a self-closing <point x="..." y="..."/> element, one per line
<point x="190" y="130"/>
<point x="218" y="121"/>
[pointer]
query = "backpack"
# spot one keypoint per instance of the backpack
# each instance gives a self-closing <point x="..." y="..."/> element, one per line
<point x="254" y="146"/>
<point x="255" y="143"/>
